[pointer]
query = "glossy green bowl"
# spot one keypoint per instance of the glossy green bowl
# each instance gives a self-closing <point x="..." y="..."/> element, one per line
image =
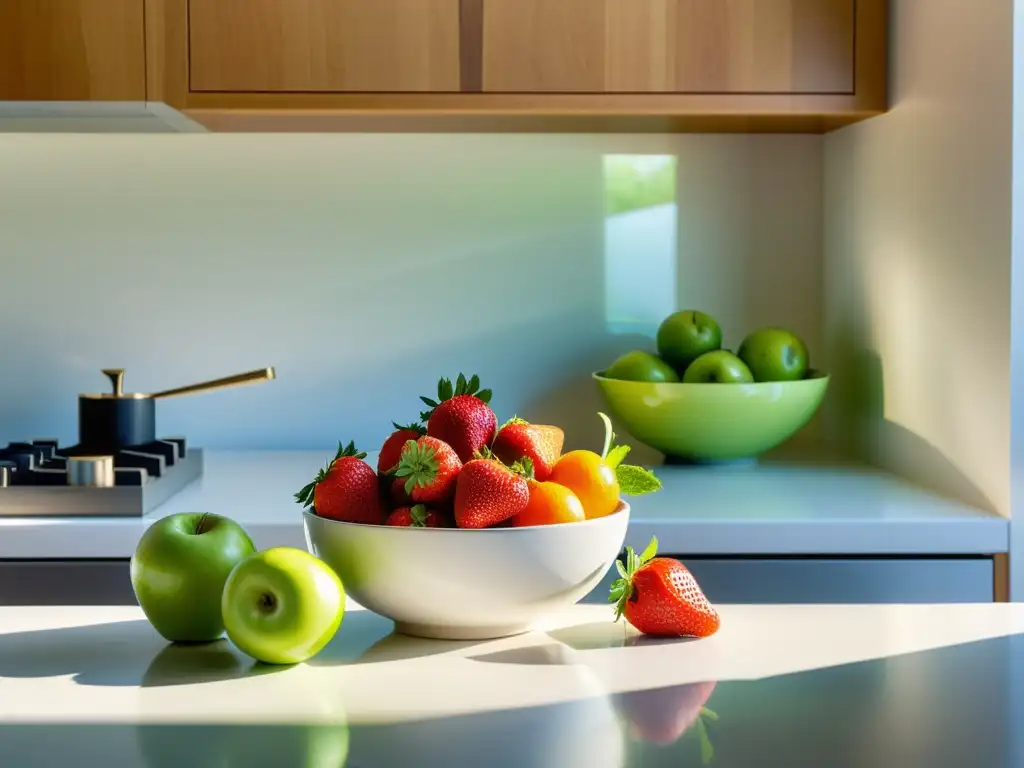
<point x="713" y="422"/>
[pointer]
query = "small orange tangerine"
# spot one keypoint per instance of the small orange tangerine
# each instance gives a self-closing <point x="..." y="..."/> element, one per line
<point x="587" y="475"/>
<point x="550" y="504"/>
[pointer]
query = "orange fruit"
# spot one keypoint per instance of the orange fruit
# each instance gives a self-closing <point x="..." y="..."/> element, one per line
<point x="550" y="504"/>
<point x="587" y="475"/>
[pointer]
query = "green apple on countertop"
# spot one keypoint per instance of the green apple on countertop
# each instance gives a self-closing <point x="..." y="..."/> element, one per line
<point x="641" y="366"/>
<point x="718" y="367"/>
<point x="179" y="569"/>
<point x="282" y="605"/>
<point x="690" y="350"/>
<point x="775" y="354"/>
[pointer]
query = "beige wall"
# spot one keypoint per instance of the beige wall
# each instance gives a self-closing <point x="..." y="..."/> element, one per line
<point x="917" y="256"/>
<point x="364" y="267"/>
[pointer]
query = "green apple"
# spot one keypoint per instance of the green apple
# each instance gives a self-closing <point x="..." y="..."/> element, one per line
<point x="718" y="367"/>
<point x="282" y="605"/>
<point x="775" y="354"/>
<point x="685" y="336"/>
<point x="641" y="366"/>
<point x="179" y="569"/>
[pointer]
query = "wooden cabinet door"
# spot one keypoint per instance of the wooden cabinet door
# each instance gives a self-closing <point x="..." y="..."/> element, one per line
<point x="668" y="46"/>
<point x="324" y="45"/>
<point x="64" y="50"/>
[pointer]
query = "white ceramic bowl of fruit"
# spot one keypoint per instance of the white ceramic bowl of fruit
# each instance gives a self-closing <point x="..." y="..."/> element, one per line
<point x="471" y="531"/>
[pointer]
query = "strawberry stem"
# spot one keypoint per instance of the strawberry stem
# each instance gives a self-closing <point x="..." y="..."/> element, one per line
<point x="446" y="391"/>
<point x="622" y="588"/>
<point x="418" y="465"/>
<point x="419" y="516"/>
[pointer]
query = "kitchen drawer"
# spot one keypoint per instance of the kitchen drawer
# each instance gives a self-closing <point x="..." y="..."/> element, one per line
<point x="65" y="582"/>
<point x="839" y="580"/>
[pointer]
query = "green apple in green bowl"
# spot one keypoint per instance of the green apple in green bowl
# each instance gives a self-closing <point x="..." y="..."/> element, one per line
<point x="775" y="354"/>
<point x="718" y="367"/>
<point x="685" y="336"/>
<point x="179" y="569"/>
<point x="641" y="366"/>
<point x="282" y="605"/>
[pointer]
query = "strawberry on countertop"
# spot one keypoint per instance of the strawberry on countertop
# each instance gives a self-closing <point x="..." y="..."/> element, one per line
<point x="541" y="443"/>
<point x="391" y="451"/>
<point x="460" y="416"/>
<point x="346" y="489"/>
<point x="429" y="467"/>
<point x="488" y="493"/>
<point x="659" y="596"/>
<point x="415" y="517"/>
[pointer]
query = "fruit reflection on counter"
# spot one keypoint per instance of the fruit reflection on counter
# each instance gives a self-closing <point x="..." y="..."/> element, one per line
<point x="459" y="469"/>
<point x="660" y="597"/>
<point x="696" y="401"/>
<point x="664" y="715"/>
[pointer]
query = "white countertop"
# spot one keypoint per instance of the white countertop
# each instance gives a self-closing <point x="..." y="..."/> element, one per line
<point x="100" y="664"/>
<point x="775" y="508"/>
<point x="845" y="686"/>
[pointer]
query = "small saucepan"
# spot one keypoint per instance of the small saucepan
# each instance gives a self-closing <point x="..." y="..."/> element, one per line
<point x="118" y="419"/>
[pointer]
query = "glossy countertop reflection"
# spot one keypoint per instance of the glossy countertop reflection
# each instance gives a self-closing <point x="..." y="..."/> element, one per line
<point x="807" y="685"/>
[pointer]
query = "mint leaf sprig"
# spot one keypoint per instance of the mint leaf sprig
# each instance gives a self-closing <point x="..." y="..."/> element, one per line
<point x="633" y="480"/>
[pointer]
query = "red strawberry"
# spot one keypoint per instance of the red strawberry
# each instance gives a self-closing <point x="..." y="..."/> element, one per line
<point x="429" y="467"/>
<point x="540" y="443"/>
<point x="391" y="451"/>
<point x="659" y="596"/>
<point x="460" y="416"/>
<point x="488" y="493"/>
<point x="663" y="715"/>
<point x="397" y="495"/>
<point x="415" y="517"/>
<point x="346" y="489"/>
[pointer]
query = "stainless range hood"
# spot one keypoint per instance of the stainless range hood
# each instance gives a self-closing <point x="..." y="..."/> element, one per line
<point x="93" y="117"/>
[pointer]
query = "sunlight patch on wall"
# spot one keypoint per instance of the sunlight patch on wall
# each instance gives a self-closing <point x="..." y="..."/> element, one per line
<point x="641" y="217"/>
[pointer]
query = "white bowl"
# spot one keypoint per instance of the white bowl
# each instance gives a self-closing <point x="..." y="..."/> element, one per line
<point x="458" y="584"/>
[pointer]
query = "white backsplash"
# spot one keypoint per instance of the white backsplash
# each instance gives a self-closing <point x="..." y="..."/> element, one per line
<point x="364" y="267"/>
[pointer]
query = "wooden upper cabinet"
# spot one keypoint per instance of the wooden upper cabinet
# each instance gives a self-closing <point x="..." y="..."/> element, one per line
<point x="668" y="46"/>
<point x="73" y="50"/>
<point x="375" y="46"/>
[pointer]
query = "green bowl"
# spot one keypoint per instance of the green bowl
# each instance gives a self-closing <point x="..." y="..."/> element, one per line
<point x="713" y="422"/>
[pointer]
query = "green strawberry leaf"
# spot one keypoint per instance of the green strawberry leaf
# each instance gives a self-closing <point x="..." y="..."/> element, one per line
<point x="445" y="390"/>
<point x="419" y="516"/>
<point x="418" y="465"/>
<point x="621" y="569"/>
<point x="460" y="384"/>
<point x="705" y="712"/>
<point x="650" y="551"/>
<point x="524" y="467"/>
<point x="513" y="420"/>
<point x="484" y="396"/>
<point x="636" y="481"/>
<point x="474" y="383"/>
<point x="418" y="428"/>
<point x="622" y="588"/>
<point x="616" y="455"/>
<point x="428" y="401"/>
